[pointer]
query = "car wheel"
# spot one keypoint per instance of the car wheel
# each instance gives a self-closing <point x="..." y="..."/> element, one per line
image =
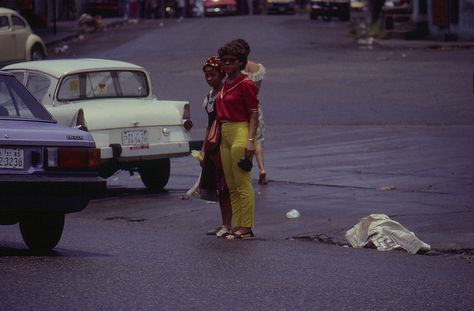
<point x="345" y="16"/>
<point x="107" y="170"/>
<point x="155" y="174"/>
<point x="345" y="13"/>
<point x="313" y="15"/>
<point x="37" y="53"/>
<point x="42" y="231"/>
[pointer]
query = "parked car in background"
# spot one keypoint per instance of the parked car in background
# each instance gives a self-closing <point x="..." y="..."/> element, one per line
<point x="114" y="101"/>
<point x="327" y="9"/>
<point x="46" y="170"/>
<point x="358" y="5"/>
<point x="280" y="6"/>
<point x="219" y="7"/>
<point x="17" y="41"/>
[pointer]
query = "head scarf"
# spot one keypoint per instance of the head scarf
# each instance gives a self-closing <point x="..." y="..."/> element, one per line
<point x="214" y="62"/>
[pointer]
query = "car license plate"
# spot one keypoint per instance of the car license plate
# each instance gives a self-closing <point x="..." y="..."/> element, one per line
<point x="12" y="158"/>
<point x="134" y="137"/>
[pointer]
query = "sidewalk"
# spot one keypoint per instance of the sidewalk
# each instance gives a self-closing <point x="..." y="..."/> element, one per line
<point x="423" y="44"/>
<point x="68" y="30"/>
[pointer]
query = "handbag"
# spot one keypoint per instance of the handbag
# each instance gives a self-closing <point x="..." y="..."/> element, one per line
<point x="214" y="137"/>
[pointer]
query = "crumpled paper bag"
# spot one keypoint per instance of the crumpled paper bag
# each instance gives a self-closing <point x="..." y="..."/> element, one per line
<point x="385" y="234"/>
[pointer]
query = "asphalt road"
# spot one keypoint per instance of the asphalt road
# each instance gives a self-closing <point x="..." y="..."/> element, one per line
<point x="343" y="122"/>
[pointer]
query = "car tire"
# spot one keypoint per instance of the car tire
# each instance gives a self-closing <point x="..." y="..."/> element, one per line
<point x="37" y="53"/>
<point x="107" y="170"/>
<point x="42" y="231"/>
<point x="313" y="15"/>
<point x="155" y="174"/>
<point x="345" y="16"/>
<point x="345" y="13"/>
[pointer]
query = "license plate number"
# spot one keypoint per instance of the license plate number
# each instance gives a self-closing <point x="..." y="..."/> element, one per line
<point x="12" y="158"/>
<point x="134" y="137"/>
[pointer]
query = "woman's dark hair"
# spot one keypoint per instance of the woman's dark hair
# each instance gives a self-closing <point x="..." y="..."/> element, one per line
<point x="243" y="43"/>
<point x="235" y="49"/>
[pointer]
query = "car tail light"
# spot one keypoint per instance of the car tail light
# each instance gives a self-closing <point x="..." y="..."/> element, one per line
<point x="73" y="158"/>
<point x="80" y="121"/>
<point x="187" y="123"/>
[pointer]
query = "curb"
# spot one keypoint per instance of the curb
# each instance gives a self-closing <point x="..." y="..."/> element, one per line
<point x="416" y="44"/>
<point x="77" y="33"/>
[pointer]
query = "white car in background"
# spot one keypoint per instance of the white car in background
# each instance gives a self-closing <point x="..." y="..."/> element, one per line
<point x="114" y="101"/>
<point x="17" y="41"/>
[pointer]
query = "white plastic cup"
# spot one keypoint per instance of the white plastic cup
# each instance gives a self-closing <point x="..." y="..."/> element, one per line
<point x="293" y="214"/>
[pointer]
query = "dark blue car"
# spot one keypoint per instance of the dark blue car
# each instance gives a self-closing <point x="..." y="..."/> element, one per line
<point x="46" y="170"/>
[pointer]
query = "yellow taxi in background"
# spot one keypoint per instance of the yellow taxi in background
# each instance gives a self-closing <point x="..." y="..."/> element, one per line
<point x="358" y="5"/>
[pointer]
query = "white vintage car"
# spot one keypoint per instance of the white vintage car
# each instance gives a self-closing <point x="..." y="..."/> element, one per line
<point x="114" y="101"/>
<point x="17" y="40"/>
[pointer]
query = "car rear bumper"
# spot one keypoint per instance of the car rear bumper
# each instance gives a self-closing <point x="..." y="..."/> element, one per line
<point x="328" y="8"/>
<point x="280" y="8"/>
<point x="145" y="152"/>
<point x="220" y="10"/>
<point x="27" y="193"/>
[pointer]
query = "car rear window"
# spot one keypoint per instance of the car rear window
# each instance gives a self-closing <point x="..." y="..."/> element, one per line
<point x="103" y="84"/>
<point x="38" y="85"/>
<point x="17" y="103"/>
<point x="18" y="22"/>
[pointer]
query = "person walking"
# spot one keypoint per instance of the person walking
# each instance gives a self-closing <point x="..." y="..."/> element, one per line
<point x="237" y="111"/>
<point x="256" y="72"/>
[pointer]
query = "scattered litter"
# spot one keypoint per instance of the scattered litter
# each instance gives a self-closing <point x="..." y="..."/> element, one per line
<point x="86" y="20"/>
<point x="61" y="49"/>
<point x="293" y="214"/>
<point x="387" y="188"/>
<point x="385" y="234"/>
<point x="366" y="41"/>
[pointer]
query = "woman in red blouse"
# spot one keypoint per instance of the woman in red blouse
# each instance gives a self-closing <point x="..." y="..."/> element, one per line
<point x="237" y="110"/>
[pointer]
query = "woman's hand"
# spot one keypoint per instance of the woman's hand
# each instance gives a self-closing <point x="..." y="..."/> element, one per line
<point x="250" y="150"/>
<point x="201" y="161"/>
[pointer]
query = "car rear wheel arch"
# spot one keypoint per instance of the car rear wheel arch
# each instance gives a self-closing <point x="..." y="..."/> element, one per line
<point x="37" y="52"/>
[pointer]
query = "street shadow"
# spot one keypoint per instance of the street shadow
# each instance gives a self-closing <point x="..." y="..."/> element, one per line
<point x="111" y="192"/>
<point x="19" y="250"/>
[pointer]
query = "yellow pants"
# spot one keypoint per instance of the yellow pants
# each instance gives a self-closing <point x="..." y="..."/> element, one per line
<point x="234" y="138"/>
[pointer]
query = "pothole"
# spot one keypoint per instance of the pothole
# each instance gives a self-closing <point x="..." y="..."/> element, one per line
<point x="126" y="219"/>
<point x="319" y="237"/>
<point x="462" y="253"/>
